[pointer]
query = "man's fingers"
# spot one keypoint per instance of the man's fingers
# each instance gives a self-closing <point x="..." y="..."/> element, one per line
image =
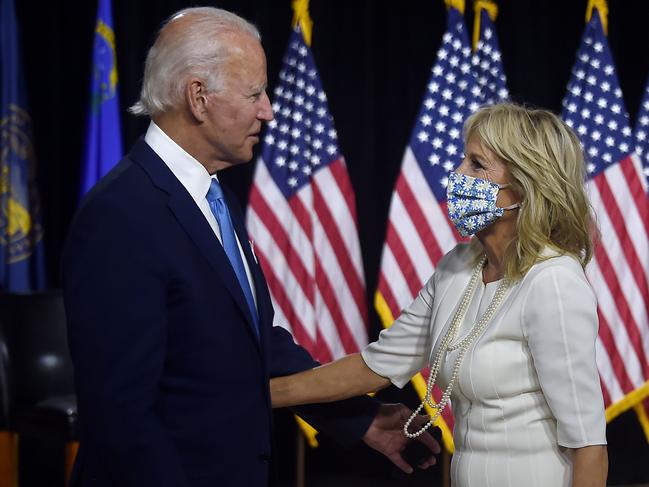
<point x="428" y="463"/>
<point x="398" y="460"/>
<point x="426" y="438"/>
<point x="421" y="419"/>
<point x="430" y="442"/>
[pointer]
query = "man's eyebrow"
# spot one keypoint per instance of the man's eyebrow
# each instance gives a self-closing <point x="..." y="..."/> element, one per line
<point x="258" y="88"/>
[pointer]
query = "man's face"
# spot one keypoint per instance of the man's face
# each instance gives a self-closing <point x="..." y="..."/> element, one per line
<point x="235" y="114"/>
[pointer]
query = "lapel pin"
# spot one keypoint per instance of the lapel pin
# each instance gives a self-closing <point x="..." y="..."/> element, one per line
<point x="252" y="248"/>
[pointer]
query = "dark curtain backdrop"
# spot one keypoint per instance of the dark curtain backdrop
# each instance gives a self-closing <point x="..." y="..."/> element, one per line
<point x="374" y="58"/>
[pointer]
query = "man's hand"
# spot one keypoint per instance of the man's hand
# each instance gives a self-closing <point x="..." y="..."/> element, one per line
<point x="385" y="435"/>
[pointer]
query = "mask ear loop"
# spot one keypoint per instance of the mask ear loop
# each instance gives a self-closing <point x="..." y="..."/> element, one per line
<point x="510" y="207"/>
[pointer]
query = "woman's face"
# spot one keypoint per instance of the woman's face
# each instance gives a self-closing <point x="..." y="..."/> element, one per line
<point x="480" y="162"/>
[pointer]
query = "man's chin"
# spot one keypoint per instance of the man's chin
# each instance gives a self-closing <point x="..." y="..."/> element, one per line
<point x="243" y="155"/>
<point x="244" y="158"/>
<point x="248" y="152"/>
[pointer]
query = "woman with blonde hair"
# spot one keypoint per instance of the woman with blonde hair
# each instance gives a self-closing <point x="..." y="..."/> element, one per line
<point x="507" y="323"/>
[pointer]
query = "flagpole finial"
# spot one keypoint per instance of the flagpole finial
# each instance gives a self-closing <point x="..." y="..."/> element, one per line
<point x="302" y="18"/>
<point x="602" y="8"/>
<point x="479" y="5"/>
<point x="457" y="4"/>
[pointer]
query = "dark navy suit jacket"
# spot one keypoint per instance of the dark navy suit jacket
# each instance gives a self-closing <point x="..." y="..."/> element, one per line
<point x="172" y="380"/>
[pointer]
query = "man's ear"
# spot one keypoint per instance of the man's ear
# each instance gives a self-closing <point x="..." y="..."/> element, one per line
<point x="196" y="96"/>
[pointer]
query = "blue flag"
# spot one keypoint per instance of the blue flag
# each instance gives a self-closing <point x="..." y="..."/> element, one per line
<point x="103" y="136"/>
<point x="21" y="233"/>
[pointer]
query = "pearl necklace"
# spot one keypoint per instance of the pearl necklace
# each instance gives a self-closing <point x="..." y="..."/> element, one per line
<point x="462" y="344"/>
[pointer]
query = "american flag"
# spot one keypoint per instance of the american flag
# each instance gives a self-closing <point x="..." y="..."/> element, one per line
<point x="616" y="185"/>
<point x="487" y="60"/>
<point x="642" y="132"/>
<point x="642" y="152"/>
<point x="302" y="217"/>
<point x="418" y="231"/>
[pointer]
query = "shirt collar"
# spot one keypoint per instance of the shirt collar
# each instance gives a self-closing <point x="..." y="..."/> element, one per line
<point x="191" y="173"/>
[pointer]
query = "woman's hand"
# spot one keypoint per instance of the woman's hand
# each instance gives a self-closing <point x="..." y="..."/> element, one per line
<point x="589" y="466"/>
<point x="344" y="378"/>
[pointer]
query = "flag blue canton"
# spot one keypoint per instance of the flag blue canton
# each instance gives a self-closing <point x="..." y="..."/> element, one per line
<point x="301" y="139"/>
<point x="593" y="106"/>
<point x="452" y="95"/>
<point x="487" y="63"/>
<point x="22" y="266"/>
<point x="103" y="133"/>
<point x="642" y="132"/>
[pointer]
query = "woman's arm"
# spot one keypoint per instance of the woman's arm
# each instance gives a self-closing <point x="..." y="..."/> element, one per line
<point x="589" y="466"/>
<point x="337" y="380"/>
<point x="400" y="351"/>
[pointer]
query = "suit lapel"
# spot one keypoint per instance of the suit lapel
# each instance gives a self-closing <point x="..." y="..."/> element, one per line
<point x="190" y="217"/>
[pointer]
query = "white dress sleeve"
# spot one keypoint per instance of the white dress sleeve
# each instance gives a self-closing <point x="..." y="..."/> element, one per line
<point x="402" y="350"/>
<point x="559" y="319"/>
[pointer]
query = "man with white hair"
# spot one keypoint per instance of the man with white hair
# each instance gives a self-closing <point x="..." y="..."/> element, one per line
<point x="169" y="315"/>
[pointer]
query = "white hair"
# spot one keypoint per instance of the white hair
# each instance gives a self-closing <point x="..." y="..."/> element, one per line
<point x="196" y="51"/>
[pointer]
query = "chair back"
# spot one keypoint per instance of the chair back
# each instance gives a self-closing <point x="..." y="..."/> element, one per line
<point x="35" y="331"/>
<point x="5" y="391"/>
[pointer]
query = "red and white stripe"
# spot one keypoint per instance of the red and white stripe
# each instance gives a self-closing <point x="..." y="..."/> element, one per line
<point x="619" y="274"/>
<point x="419" y="233"/>
<point x="309" y="250"/>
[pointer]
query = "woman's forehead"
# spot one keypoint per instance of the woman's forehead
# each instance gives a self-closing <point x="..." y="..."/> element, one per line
<point x="475" y="145"/>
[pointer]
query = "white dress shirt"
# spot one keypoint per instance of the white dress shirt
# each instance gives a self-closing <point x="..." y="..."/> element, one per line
<point x="196" y="180"/>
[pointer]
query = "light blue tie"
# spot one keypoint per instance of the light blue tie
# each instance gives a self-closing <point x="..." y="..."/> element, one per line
<point x="220" y="210"/>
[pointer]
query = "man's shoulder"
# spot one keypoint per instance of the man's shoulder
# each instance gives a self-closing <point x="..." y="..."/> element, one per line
<point x="127" y="183"/>
<point x="125" y="194"/>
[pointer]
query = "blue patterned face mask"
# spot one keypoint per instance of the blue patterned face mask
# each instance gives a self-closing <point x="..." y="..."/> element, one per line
<point x="472" y="203"/>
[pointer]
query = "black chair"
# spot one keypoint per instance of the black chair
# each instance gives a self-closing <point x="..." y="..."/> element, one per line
<point x="40" y="384"/>
<point x="8" y="464"/>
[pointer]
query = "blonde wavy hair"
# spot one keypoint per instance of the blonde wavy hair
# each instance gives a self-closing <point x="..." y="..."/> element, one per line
<point x="546" y="163"/>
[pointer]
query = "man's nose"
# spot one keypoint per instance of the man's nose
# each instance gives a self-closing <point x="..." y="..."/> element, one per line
<point x="266" y="110"/>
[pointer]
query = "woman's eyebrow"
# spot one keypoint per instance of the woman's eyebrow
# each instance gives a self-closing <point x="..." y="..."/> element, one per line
<point x="479" y="156"/>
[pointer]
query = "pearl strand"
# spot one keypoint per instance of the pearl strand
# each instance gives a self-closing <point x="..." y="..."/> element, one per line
<point x="462" y="344"/>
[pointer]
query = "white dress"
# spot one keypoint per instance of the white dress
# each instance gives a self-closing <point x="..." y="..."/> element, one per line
<point x="528" y="387"/>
